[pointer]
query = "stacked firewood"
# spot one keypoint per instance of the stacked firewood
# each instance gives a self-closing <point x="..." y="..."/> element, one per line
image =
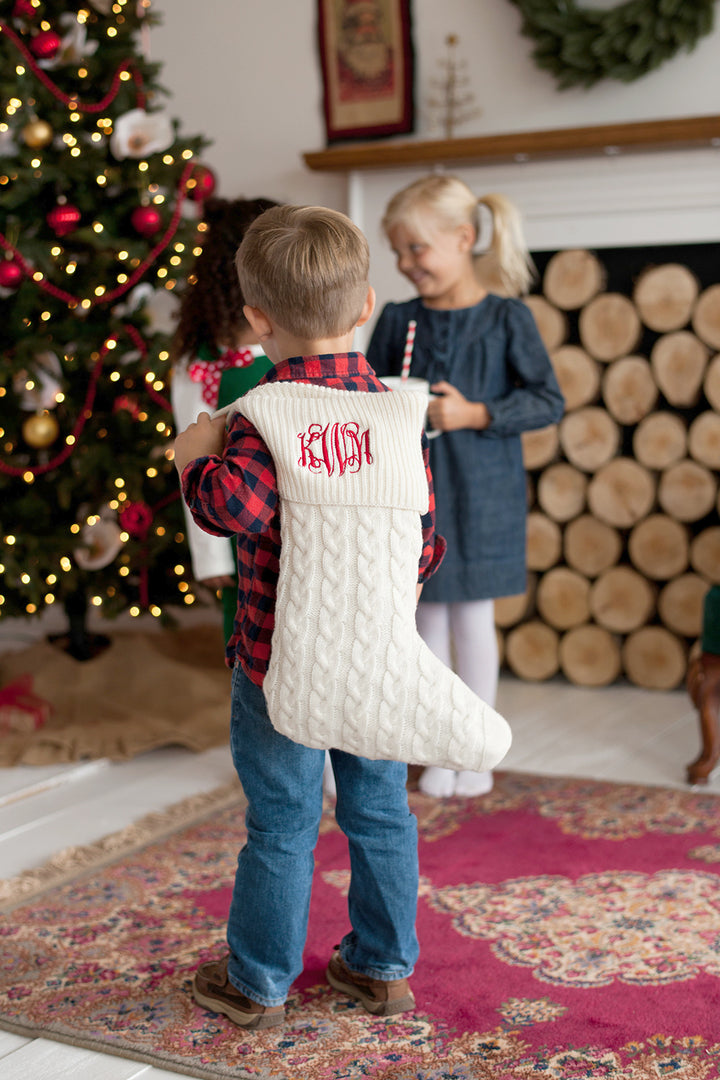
<point x="623" y="535"/>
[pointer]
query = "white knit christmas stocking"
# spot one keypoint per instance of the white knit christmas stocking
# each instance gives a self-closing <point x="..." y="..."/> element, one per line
<point x="348" y="668"/>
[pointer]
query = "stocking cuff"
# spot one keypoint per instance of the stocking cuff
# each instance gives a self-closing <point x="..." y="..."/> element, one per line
<point x="336" y="447"/>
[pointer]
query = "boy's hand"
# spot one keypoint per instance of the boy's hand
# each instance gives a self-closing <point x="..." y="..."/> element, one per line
<point x="450" y="410"/>
<point x="204" y="437"/>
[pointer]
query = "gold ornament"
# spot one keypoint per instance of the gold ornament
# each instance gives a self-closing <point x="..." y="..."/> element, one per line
<point x="37" y="134"/>
<point x="40" y="430"/>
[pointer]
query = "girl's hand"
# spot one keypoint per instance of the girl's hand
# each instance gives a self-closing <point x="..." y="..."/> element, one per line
<point x="451" y="411"/>
<point x="200" y="439"/>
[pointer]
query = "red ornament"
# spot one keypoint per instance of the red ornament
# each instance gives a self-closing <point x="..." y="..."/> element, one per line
<point x="23" y="9"/>
<point x="45" y="44"/>
<point x="63" y="219"/>
<point x="205" y="183"/>
<point x="11" y="274"/>
<point x="127" y="403"/>
<point x="136" y="519"/>
<point x="146" y="220"/>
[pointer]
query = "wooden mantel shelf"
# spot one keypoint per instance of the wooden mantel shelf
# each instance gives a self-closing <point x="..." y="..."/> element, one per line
<point x="521" y="146"/>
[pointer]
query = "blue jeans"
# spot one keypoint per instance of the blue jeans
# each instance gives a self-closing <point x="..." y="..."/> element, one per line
<point x="282" y="781"/>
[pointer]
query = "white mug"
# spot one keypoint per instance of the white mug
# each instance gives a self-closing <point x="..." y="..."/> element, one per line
<point x="419" y="386"/>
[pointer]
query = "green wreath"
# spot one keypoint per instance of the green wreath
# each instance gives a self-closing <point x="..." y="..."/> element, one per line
<point x="580" y="46"/>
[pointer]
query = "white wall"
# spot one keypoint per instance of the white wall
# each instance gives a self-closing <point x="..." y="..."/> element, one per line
<point x="246" y="74"/>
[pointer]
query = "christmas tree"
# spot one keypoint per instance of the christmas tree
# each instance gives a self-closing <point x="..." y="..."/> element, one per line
<point x="100" y="213"/>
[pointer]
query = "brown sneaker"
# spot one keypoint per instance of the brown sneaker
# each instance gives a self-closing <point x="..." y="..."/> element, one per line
<point x="379" y="997"/>
<point x="213" y="990"/>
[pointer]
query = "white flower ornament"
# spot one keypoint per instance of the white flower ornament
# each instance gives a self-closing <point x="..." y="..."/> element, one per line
<point x="74" y="44"/>
<point x="137" y="134"/>
<point x="102" y="542"/>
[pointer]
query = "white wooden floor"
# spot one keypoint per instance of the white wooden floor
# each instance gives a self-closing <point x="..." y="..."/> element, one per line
<point x="619" y="733"/>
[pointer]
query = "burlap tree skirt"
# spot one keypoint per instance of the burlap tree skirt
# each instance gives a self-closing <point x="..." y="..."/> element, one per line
<point x="148" y="689"/>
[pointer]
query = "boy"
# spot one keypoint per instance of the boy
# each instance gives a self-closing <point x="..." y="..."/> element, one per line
<point x="304" y="275"/>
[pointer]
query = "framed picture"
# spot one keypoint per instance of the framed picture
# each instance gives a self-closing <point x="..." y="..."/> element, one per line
<point x="367" y="68"/>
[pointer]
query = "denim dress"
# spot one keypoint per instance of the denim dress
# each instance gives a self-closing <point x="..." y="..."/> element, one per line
<point x="491" y="352"/>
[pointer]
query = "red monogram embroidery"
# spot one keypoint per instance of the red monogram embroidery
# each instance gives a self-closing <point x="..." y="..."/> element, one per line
<point x="341" y="447"/>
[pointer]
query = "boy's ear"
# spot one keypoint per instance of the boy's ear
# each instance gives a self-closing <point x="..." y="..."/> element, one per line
<point x="368" y="307"/>
<point x="261" y="325"/>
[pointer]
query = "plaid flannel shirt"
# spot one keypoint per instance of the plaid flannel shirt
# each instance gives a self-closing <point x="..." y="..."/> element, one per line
<point x="237" y="495"/>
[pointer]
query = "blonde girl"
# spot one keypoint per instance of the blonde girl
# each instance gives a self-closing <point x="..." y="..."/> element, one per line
<point x="492" y="377"/>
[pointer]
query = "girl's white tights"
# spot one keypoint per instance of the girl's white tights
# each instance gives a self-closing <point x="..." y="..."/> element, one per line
<point x="462" y="636"/>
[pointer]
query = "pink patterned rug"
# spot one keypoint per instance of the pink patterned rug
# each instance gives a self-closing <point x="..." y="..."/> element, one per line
<point x="568" y="929"/>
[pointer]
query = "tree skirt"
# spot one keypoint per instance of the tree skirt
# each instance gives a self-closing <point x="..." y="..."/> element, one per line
<point x="568" y="929"/>
<point x="148" y="689"/>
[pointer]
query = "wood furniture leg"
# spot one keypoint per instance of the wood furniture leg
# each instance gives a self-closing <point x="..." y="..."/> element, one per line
<point x="703" y="684"/>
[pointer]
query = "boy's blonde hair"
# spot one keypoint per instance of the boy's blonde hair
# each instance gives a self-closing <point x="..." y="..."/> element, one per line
<point x="306" y="268"/>
<point x="447" y="202"/>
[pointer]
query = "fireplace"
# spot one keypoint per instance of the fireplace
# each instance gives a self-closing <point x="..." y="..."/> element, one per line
<point x="633" y="611"/>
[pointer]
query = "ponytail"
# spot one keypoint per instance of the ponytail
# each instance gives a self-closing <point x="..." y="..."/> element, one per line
<point x="507" y="251"/>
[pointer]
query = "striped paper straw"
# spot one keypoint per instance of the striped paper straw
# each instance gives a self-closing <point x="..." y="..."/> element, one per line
<point x="407" y="355"/>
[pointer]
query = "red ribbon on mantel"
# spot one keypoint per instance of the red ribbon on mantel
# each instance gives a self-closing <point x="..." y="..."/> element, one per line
<point x="21" y="710"/>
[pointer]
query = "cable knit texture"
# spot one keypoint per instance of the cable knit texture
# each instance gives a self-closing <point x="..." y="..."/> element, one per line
<point x="348" y="668"/>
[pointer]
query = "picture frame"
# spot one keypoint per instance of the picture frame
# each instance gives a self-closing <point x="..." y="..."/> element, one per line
<point x="367" y="64"/>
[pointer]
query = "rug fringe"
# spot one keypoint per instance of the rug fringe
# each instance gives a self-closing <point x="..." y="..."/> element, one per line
<point x="65" y="864"/>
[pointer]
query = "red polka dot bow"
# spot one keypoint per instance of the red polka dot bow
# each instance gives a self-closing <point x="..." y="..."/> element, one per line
<point x="208" y="372"/>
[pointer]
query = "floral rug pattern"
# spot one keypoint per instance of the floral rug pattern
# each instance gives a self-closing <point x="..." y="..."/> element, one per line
<point x="568" y="929"/>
